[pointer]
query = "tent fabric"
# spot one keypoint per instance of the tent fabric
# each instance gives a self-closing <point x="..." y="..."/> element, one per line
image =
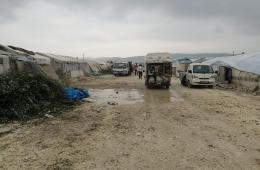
<point x="39" y="59"/>
<point x="247" y="62"/>
<point x="62" y="58"/>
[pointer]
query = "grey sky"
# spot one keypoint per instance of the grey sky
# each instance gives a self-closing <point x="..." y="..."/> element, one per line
<point x="102" y="28"/>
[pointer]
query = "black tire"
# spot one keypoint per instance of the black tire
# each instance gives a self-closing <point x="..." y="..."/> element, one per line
<point x="211" y="86"/>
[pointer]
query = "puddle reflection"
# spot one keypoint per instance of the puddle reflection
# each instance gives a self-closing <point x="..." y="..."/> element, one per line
<point x="132" y="96"/>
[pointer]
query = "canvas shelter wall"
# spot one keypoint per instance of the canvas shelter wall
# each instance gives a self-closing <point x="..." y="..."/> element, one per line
<point x="63" y="66"/>
<point x="63" y="69"/>
<point x="245" y="80"/>
<point x="4" y="64"/>
<point x="94" y="68"/>
<point x="49" y="71"/>
<point x="86" y="69"/>
<point x="174" y="71"/>
<point x="76" y="73"/>
<point x="105" y="69"/>
<point x="221" y="74"/>
<point x="181" y="67"/>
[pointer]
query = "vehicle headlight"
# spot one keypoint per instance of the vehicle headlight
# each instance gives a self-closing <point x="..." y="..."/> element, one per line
<point x="213" y="76"/>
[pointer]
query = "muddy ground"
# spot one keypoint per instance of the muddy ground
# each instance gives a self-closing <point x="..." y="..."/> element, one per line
<point x="130" y="127"/>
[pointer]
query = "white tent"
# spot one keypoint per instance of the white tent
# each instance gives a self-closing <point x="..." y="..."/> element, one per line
<point x="4" y="63"/>
<point x="246" y="62"/>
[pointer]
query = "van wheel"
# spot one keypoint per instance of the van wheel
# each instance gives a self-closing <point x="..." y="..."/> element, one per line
<point x="189" y="85"/>
<point x="211" y="86"/>
<point x="148" y="87"/>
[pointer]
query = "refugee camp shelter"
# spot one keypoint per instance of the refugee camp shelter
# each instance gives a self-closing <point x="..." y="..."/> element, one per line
<point x="56" y="67"/>
<point x="174" y="67"/>
<point x="182" y="65"/>
<point x="4" y="62"/>
<point x="240" y="70"/>
<point x="198" y="60"/>
<point x="16" y="58"/>
<point x="65" y="66"/>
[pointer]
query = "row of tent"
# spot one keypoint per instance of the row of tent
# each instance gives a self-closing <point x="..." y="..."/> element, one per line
<point x="54" y="66"/>
<point x="246" y="62"/>
<point x="242" y="71"/>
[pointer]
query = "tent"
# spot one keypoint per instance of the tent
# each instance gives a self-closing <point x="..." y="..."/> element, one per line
<point x="240" y="70"/>
<point x="4" y="63"/>
<point x="248" y="62"/>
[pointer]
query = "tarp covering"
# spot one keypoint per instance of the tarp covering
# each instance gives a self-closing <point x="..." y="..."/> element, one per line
<point x="246" y="62"/>
<point x="75" y="94"/>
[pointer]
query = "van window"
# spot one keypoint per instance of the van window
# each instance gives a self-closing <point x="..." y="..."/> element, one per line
<point x="202" y="69"/>
<point x="120" y="65"/>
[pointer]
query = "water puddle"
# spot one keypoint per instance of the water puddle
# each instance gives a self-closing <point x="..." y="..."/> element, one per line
<point x="116" y="96"/>
<point x="161" y="96"/>
<point x="132" y="96"/>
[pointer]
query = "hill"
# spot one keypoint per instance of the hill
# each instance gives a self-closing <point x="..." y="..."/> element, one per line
<point x="140" y="59"/>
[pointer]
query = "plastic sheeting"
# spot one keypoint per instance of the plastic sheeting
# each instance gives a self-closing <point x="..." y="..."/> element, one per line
<point x="75" y="94"/>
<point x="247" y="62"/>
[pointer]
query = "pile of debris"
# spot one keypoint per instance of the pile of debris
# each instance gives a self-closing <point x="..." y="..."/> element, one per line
<point x="24" y="96"/>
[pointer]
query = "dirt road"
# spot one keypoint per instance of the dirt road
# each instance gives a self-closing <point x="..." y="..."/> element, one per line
<point x="130" y="127"/>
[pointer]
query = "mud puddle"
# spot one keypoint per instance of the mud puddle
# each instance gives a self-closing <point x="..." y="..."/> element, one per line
<point x="116" y="96"/>
<point x="132" y="96"/>
<point x="161" y="96"/>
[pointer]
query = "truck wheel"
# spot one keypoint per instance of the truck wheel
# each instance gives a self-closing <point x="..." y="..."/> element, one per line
<point x="189" y="85"/>
<point x="167" y="86"/>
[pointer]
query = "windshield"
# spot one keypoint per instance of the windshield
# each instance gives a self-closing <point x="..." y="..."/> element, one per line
<point x="120" y="65"/>
<point x="202" y="69"/>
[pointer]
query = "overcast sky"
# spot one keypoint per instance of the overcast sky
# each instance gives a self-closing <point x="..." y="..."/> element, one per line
<point x="106" y="28"/>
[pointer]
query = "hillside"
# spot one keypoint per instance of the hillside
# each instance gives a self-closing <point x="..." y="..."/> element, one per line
<point x="140" y="59"/>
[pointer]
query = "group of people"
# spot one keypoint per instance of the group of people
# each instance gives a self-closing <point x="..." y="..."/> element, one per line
<point x="139" y="69"/>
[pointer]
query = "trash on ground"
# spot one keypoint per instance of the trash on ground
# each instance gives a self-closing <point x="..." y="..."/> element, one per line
<point x="88" y="100"/>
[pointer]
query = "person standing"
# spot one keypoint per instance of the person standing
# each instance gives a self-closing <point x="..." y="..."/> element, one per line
<point x="135" y="69"/>
<point x="140" y="71"/>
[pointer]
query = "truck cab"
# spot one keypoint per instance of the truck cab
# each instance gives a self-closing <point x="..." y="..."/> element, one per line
<point x="121" y="68"/>
<point x="199" y="74"/>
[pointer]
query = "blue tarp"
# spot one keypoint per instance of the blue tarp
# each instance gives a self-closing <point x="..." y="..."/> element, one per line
<point x="75" y="94"/>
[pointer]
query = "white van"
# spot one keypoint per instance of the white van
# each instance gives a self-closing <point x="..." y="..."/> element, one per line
<point x="121" y="68"/>
<point x="199" y="74"/>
